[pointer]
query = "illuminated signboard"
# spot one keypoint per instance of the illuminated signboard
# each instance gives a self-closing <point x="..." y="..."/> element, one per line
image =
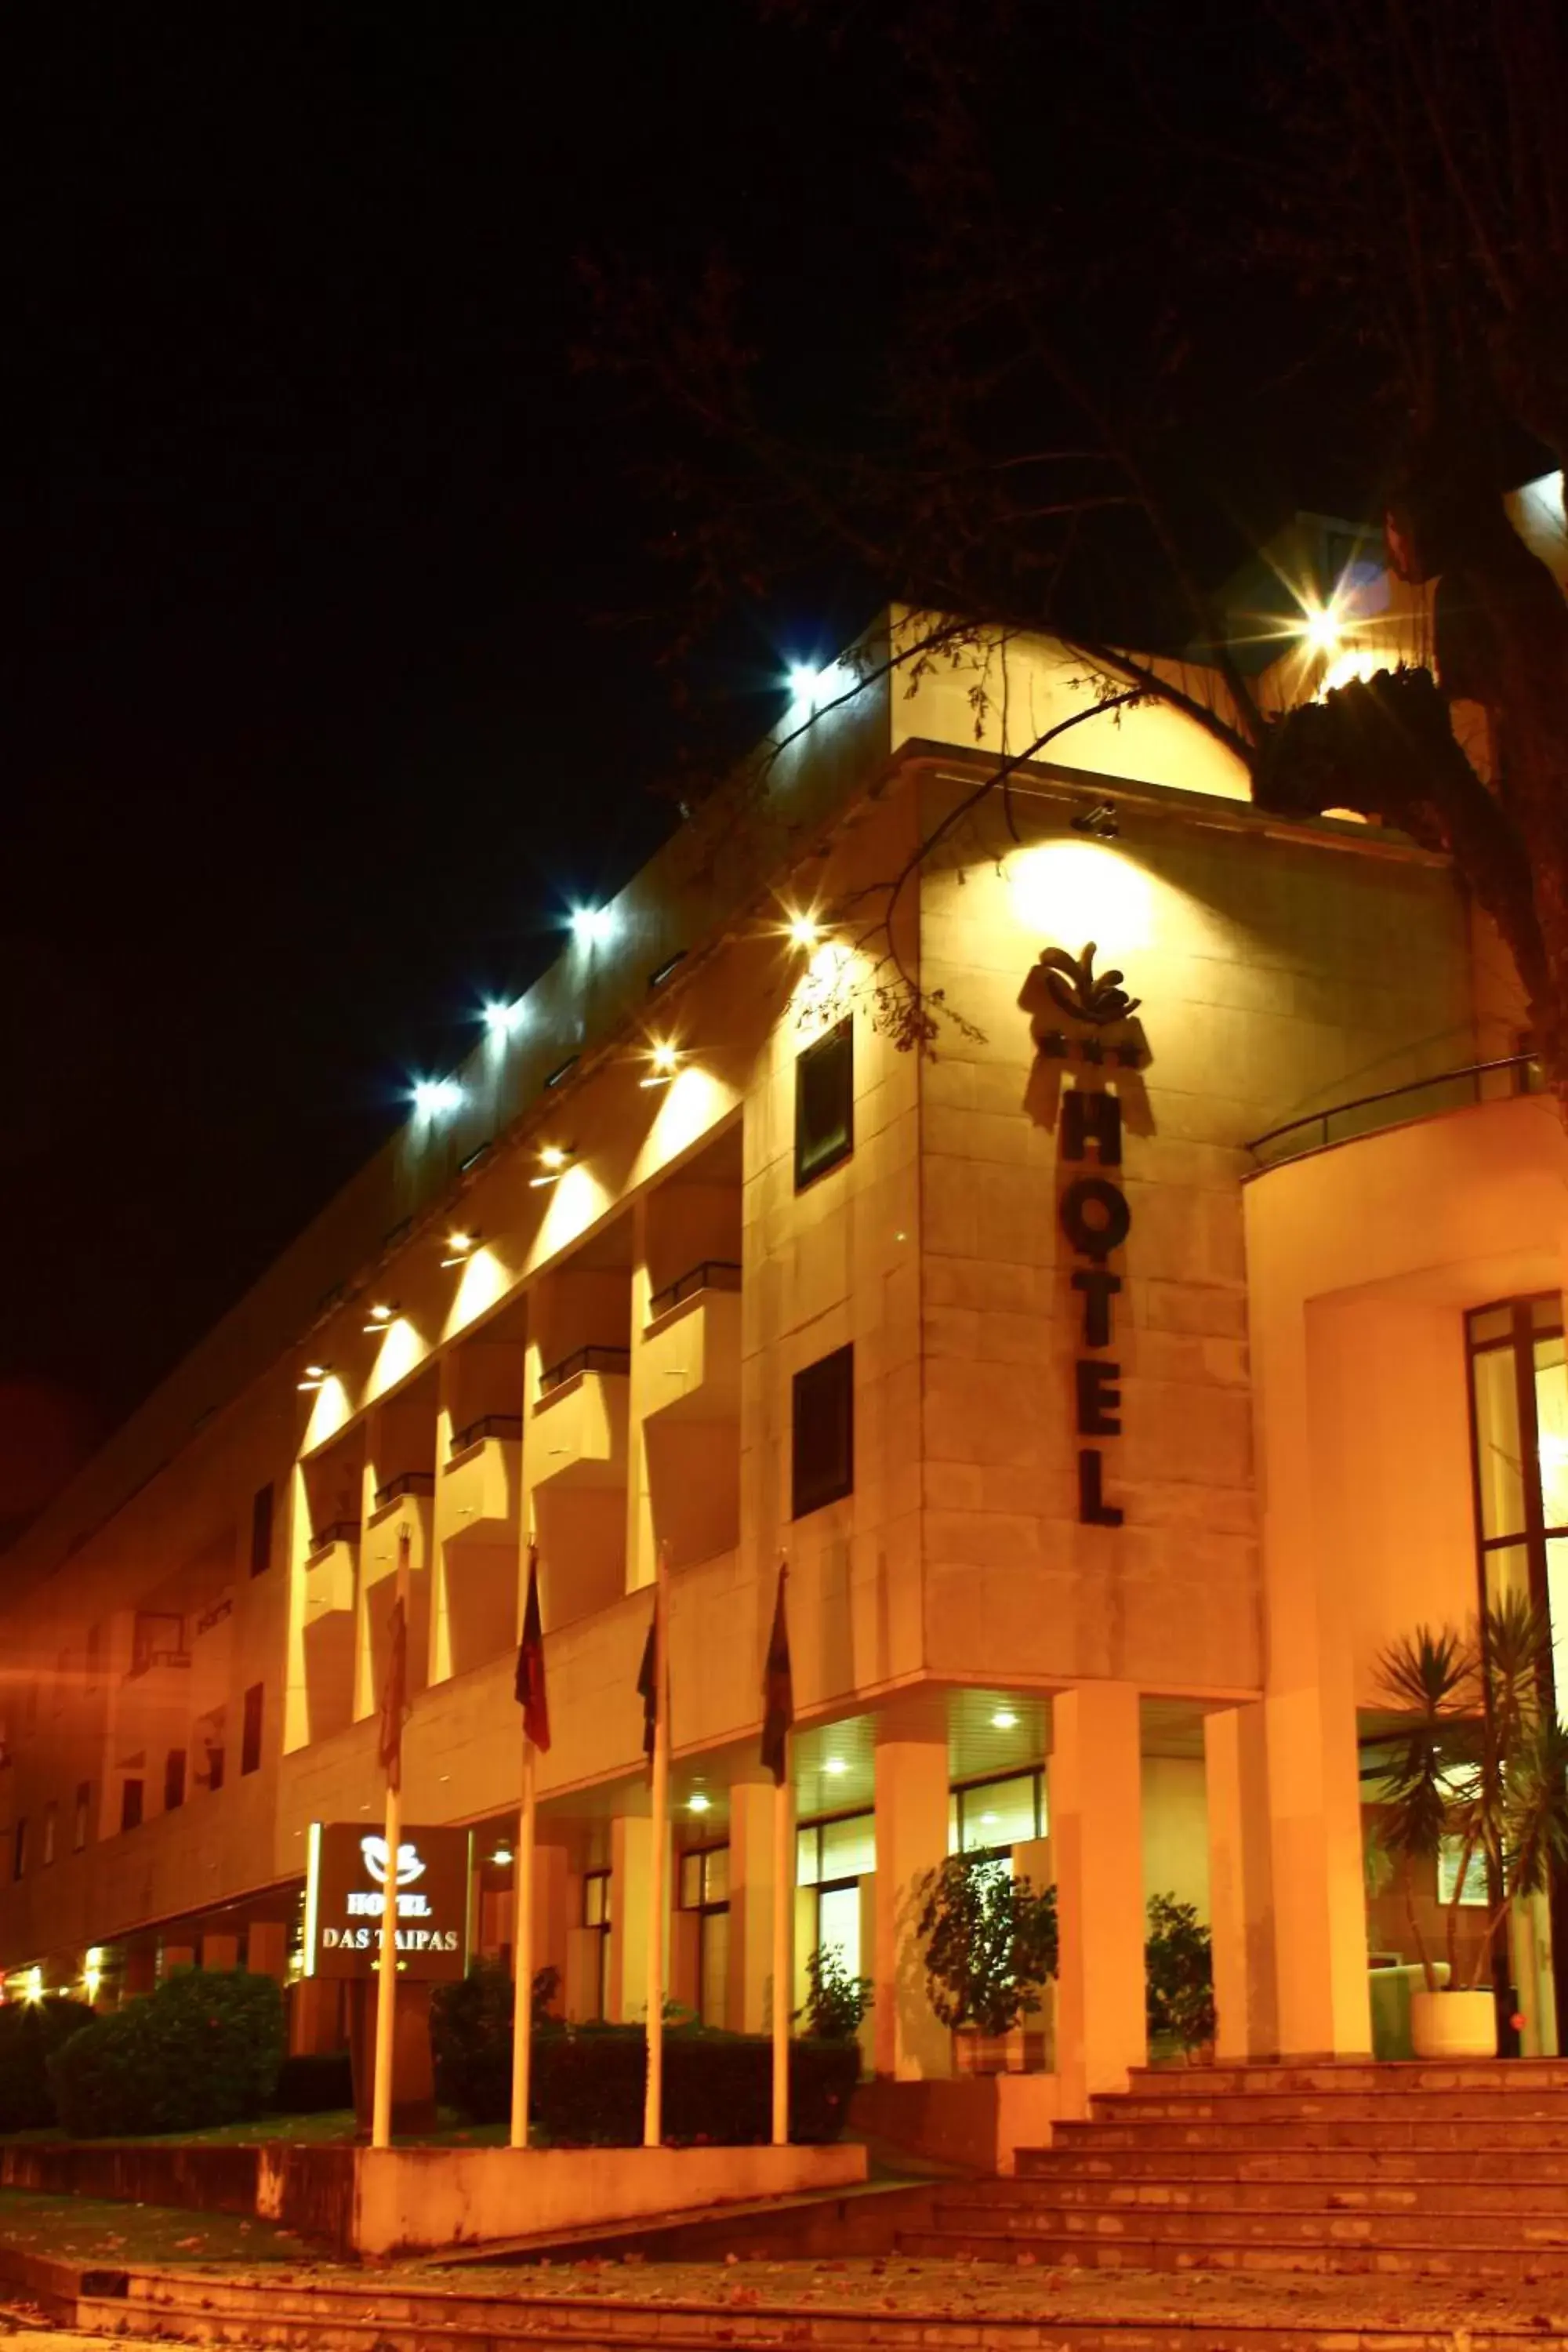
<point x="346" y="1888"/>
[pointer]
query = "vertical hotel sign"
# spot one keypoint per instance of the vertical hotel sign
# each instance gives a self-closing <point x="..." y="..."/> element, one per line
<point x="1097" y="1033"/>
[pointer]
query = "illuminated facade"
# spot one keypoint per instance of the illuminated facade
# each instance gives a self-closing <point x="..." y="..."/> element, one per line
<point x="1106" y="1449"/>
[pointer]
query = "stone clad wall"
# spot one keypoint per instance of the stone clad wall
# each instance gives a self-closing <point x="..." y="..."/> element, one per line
<point x="1276" y="974"/>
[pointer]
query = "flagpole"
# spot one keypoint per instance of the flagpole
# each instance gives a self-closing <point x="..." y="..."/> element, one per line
<point x="658" y="1807"/>
<point x="522" y="1948"/>
<point x="386" y="1967"/>
<point x="784" y="1973"/>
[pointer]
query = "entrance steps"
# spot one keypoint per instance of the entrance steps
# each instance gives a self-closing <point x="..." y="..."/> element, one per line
<point x="1457" y="2171"/>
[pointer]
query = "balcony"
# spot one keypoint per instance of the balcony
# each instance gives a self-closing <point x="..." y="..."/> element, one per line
<point x="406" y="1501"/>
<point x="1447" y="1090"/>
<point x="691" y="1347"/>
<point x="331" y="1568"/>
<point x="580" y="1420"/>
<point x="481" y="1482"/>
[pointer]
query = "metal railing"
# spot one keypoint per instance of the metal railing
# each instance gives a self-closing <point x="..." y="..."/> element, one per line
<point x="1312" y="1128"/>
<point x="713" y="1274"/>
<point x="339" y="1531"/>
<point x="492" y="1425"/>
<point x="584" y="1360"/>
<point x="408" y="1481"/>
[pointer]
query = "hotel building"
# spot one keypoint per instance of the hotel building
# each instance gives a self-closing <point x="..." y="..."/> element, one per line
<point x="1118" y="1378"/>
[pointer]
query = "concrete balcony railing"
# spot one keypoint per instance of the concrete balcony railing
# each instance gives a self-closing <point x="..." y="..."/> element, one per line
<point x="481" y="1481"/>
<point x="690" y="1367"/>
<point x="408" y="1505"/>
<point x="579" y="1428"/>
<point x="331" y="1571"/>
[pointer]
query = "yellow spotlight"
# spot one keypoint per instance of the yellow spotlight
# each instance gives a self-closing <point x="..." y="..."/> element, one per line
<point x="315" y="1376"/>
<point x="664" y="1060"/>
<point x="805" y="930"/>
<point x="459" y="1248"/>
<point x="380" y="1316"/>
<point x="553" y="1159"/>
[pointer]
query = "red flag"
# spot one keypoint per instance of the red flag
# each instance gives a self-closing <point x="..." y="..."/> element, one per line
<point x="530" y="1685"/>
<point x="778" y="1692"/>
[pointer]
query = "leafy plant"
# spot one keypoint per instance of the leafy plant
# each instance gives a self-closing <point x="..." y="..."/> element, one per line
<point x="470" y="2036"/>
<point x="836" y="2001"/>
<point x="990" y="1942"/>
<point x="30" y="2032"/>
<point x="204" y="2048"/>
<point x="1480" y="1765"/>
<point x="1178" y="1973"/>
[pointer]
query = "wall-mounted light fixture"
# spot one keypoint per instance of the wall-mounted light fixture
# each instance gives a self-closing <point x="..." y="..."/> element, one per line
<point x="1099" y="823"/>
<point x="663" y="1061"/>
<point x="593" y="925"/>
<point x="804" y="930"/>
<point x="460" y="1247"/>
<point x="499" y="1018"/>
<point x="433" y="1097"/>
<point x="380" y="1316"/>
<point x="315" y="1376"/>
<point x="554" y="1159"/>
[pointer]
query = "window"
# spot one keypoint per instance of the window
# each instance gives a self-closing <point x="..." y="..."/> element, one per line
<point x="831" y="1859"/>
<point x="1449" y="1874"/>
<point x="1518" y="1413"/>
<point x="705" y="1889"/>
<point x="173" y="1780"/>
<point x="596" y="1916"/>
<point x="823" y="1458"/>
<point x="130" y="1804"/>
<point x="51" y="1831"/>
<point x="988" y="1814"/>
<point x="261" y="1530"/>
<point x="250" y="1734"/>
<point x="83" y="1815"/>
<point x="19" y="1850"/>
<point x="825" y="1104"/>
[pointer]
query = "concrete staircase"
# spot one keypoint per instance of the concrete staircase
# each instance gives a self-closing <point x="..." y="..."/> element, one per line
<point x="1456" y="2171"/>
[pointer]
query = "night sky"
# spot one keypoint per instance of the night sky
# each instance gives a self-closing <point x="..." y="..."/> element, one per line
<point x="322" y="704"/>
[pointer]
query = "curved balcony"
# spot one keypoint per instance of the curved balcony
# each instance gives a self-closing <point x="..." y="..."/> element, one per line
<point x="1446" y="1090"/>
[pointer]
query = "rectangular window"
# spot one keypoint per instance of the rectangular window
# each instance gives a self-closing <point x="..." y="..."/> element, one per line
<point x="130" y="1804"/>
<point x="19" y="1850"/>
<point x="825" y="1104"/>
<point x="250" y="1734"/>
<point x="51" y="1831"/>
<point x="597" y="1915"/>
<point x="173" y="1780"/>
<point x="837" y="1850"/>
<point x="705" y="1889"/>
<point x="83" y="1815"/>
<point x="261" y="1530"/>
<point x="989" y="1814"/>
<point x="823" y="1433"/>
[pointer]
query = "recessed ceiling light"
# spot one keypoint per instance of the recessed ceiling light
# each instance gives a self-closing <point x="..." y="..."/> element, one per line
<point x="697" y="1803"/>
<point x="836" y="1766"/>
<point x="1004" y="1720"/>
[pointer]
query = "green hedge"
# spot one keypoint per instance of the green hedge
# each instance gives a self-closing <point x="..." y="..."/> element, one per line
<point x="30" y="2033"/>
<point x="203" y="2049"/>
<point x="587" y="2083"/>
<point x="316" y="2083"/>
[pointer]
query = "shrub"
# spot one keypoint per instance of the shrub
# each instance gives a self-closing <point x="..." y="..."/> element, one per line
<point x="30" y="2032"/>
<point x="588" y="2086"/>
<point x="990" y="1942"/>
<point x="317" y="2082"/>
<point x="1178" y="1965"/>
<point x="203" y="2049"/>
<point x="471" y="2038"/>
<point x="836" y="2001"/>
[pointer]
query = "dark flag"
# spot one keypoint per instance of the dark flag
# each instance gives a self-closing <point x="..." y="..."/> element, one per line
<point x="530" y="1685"/>
<point x="394" y="1696"/>
<point x="778" y="1692"/>
<point x="648" y="1687"/>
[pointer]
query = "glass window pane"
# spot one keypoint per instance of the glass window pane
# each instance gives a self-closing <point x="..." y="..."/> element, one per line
<point x="1546" y="1314"/>
<point x="592" y="1900"/>
<point x="1506" y="1573"/>
<point x="1551" y="1423"/>
<point x="1557" y="1600"/>
<point x="952" y="1824"/>
<point x="691" y="1881"/>
<point x="1497" y="1445"/>
<point x="1489" y="1323"/>
<point x="807" y="1864"/>
<point x="1002" y="1812"/>
<point x="716" y="1875"/>
<point x="849" y="1847"/>
<point x="714" y="1966"/>
<point x="838" y="1925"/>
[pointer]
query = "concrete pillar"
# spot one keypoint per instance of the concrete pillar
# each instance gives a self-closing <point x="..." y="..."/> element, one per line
<point x="749" y="1998"/>
<point x="1096" y="1804"/>
<point x="912" y="1840"/>
<point x="174" y="1956"/>
<point x="220" y="1951"/>
<point x="631" y="1840"/>
<point x="267" y="1949"/>
<point x="1241" y="1900"/>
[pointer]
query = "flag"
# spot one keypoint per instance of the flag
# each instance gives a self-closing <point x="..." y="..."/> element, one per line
<point x="394" y="1697"/>
<point x="531" y="1696"/>
<point x="648" y="1687"/>
<point x="778" y="1691"/>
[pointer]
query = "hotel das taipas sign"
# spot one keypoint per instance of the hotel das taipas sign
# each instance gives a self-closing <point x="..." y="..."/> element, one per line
<point x="345" y="1895"/>
<point x="1084" y="1022"/>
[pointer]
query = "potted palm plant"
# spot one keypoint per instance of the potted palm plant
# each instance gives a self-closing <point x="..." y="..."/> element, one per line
<point x="1478" y="1771"/>
<point x="990" y="1945"/>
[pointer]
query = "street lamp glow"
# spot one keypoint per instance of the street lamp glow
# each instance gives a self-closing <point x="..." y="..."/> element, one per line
<point x="804" y="930"/>
<point x="1321" y="627"/>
